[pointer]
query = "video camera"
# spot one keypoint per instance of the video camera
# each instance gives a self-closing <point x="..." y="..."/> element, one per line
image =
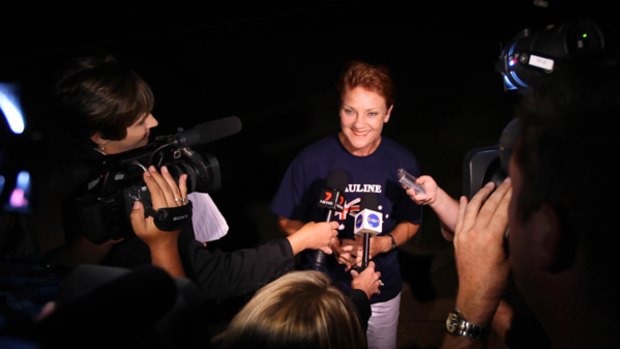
<point x="103" y="204"/>
<point x="522" y="62"/>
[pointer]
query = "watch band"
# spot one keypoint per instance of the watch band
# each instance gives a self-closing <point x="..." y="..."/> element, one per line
<point x="456" y="325"/>
<point x="393" y="240"/>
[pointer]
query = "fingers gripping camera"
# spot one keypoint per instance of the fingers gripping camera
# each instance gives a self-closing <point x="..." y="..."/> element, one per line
<point x="166" y="218"/>
<point x="104" y="203"/>
<point x="170" y="218"/>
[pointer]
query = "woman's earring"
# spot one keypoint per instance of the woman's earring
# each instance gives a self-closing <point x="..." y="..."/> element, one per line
<point x="101" y="148"/>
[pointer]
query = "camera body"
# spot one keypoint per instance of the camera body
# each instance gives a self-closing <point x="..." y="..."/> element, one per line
<point x="102" y="205"/>
<point x="522" y="62"/>
<point x="489" y="164"/>
<point x="531" y="55"/>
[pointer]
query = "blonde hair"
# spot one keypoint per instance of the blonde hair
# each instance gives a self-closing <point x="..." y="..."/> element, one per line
<point x="301" y="309"/>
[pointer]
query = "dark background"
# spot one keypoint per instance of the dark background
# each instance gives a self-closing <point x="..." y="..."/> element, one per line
<point x="275" y="68"/>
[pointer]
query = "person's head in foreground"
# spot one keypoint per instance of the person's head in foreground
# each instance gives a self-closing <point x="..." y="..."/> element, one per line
<point x="301" y="309"/>
<point x="565" y="197"/>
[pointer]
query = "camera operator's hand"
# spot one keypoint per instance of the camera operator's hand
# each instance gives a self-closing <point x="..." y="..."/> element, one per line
<point x="163" y="245"/>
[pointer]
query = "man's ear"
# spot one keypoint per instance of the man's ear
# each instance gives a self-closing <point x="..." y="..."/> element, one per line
<point x="560" y="245"/>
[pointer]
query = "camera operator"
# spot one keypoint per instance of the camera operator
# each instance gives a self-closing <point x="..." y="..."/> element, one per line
<point x="559" y="243"/>
<point x="106" y="108"/>
<point x="558" y="249"/>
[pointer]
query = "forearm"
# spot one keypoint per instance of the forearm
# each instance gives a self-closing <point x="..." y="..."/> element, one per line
<point x="495" y="319"/>
<point x="362" y="305"/>
<point x="402" y="233"/>
<point x="476" y="309"/>
<point x="298" y="242"/>
<point x="446" y="208"/>
<point x="167" y="257"/>
<point x="461" y="342"/>
<point x="289" y="226"/>
<point x="222" y="275"/>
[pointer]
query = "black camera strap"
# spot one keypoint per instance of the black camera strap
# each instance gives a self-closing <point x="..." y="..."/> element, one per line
<point x="171" y="218"/>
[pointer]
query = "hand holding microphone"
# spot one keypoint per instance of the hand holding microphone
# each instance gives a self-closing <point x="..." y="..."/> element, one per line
<point x="333" y="200"/>
<point x="369" y="280"/>
<point x="368" y="223"/>
<point x="314" y="236"/>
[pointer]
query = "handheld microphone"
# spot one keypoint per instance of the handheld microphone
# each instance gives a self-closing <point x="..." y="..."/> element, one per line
<point x="368" y="223"/>
<point x="333" y="200"/>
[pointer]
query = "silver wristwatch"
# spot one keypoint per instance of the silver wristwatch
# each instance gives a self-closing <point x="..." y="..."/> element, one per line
<point x="456" y="325"/>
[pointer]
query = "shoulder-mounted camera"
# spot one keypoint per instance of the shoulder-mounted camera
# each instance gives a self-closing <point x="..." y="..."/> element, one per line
<point x="103" y="204"/>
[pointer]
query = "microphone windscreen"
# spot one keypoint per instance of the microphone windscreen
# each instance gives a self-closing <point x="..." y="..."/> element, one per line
<point x="337" y="179"/>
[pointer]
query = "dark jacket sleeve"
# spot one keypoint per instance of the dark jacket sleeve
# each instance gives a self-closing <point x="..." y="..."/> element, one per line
<point x="222" y="275"/>
<point x="362" y="305"/>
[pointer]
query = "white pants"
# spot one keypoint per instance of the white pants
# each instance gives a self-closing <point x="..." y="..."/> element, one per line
<point x="383" y="324"/>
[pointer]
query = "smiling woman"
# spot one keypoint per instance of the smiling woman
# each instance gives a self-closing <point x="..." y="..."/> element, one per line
<point x="370" y="161"/>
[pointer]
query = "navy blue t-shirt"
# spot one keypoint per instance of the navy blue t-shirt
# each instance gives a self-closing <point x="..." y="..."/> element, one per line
<point x="298" y="195"/>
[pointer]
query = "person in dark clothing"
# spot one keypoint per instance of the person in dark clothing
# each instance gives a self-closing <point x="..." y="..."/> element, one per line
<point x="370" y="161"/>
<point x="547" y="224"/>
<point x="106" y="108"/>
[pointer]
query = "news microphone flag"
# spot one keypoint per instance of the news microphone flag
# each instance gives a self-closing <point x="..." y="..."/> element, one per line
<point x="368" y="221"/>
<point x="331" y="199"/>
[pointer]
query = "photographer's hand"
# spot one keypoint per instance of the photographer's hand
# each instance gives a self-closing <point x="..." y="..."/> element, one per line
<point x="481" y="261"/>
<point x="163" y="245"/>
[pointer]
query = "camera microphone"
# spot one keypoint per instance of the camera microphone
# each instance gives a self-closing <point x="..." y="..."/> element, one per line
<point x="332" y="199"/>
<point x="368" y="223"/>
<point x="208" y="132"/>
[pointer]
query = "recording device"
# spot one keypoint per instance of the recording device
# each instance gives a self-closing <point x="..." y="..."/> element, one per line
<point x="489" y="164"/>
<point x="332" y="199"/>
<point x="408" y="180"/>
<point x="522" y="62"/>
<point x="331" y="196"/>
<point x="531" y="55"/>
<point x="368" y="223"/>
<point x="103" y="204"/>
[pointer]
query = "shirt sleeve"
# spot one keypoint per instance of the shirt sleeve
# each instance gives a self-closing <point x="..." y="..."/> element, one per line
<point x="362" y="305"/>
<point x="222" y="275"/>
<point x="289" y="198"/>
